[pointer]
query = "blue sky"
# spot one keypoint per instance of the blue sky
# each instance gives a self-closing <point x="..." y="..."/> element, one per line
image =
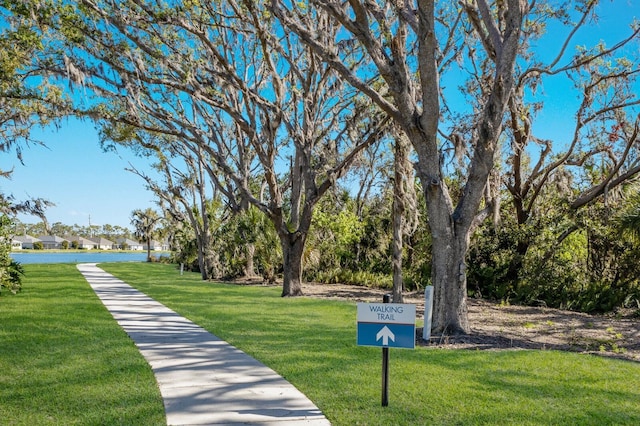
<point x="91" y="186"/>
<point x="85" y="183"/>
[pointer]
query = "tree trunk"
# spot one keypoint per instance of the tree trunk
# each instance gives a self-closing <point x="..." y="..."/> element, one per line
<point x="450" y="285"/>
<point x="397" y="256"/>
<point x="200" y="245"/>
<point x="201" y="263"/>
<point x="148" y="249"/>
<point x="208" y="261"/>
<point x="249" y="269"/>
<point x="292" y="250"/>
<point x="398" y="217"/>
<point x="211" y="264"/>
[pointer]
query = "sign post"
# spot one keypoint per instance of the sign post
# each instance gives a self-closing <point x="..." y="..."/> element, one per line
<point x="385" y="359"/>
<point x="386" y="325"/>
<point x="428" y="313"/>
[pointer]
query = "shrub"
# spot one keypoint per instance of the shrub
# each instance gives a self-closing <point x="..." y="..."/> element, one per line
<point x="11" y="272"/>
<point x="12" y="277"/>
<point x="361" y="278"/>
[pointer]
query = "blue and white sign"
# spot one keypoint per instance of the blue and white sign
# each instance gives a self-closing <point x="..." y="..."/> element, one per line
<point x="389" y="325"/>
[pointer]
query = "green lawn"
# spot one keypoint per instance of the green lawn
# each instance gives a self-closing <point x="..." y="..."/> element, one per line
<point x="65" y="361"/>
<point x="311" y="342"/>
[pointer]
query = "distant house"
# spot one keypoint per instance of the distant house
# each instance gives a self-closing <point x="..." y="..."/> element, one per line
<point x="26" y="241"/>
<point x="16" y="244"/>
<point x="127" y="244"/>
<point x="156" y="246"/>
<point x="53" y="242"/>
<point x="80" y="242"/>
<point x="102" y="243"/>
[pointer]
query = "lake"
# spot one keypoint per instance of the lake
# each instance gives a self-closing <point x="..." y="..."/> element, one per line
<point x="79" y="257"/>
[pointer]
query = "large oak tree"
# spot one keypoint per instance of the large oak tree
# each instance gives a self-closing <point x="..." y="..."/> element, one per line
<point x="601" y="108"/>
<point x="225" y="79"/>
<point x="487" y="49"/>
<point x="409" y="45"/>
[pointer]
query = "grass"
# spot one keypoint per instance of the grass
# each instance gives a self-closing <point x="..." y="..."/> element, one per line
<point x="65" y="361"/>
<point x="311" y="342"/>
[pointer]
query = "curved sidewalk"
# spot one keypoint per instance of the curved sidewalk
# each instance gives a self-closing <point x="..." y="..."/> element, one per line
<point x="203" y="380"/>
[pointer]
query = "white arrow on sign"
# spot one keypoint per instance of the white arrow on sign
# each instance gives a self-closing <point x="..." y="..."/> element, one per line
<point x="385" y="334"/>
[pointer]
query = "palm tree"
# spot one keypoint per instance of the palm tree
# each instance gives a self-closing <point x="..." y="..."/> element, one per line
<point x="144" y="223"/>
<point x="629" y="223"/>
<point x="628" y="218"/>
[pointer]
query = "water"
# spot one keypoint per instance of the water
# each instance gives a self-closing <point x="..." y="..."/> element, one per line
<point x="79" y="257"/>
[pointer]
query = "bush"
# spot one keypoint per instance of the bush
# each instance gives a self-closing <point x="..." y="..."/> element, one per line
<point x="12" y="277"/>
<point x="11" y="272"/>
<point x="361" y="278"/>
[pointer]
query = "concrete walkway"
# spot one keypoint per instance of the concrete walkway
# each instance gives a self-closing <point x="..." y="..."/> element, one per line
<point x="203" y="380"/>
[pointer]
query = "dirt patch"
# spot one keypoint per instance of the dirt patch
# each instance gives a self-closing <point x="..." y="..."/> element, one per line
<point x="516" y="327"/>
